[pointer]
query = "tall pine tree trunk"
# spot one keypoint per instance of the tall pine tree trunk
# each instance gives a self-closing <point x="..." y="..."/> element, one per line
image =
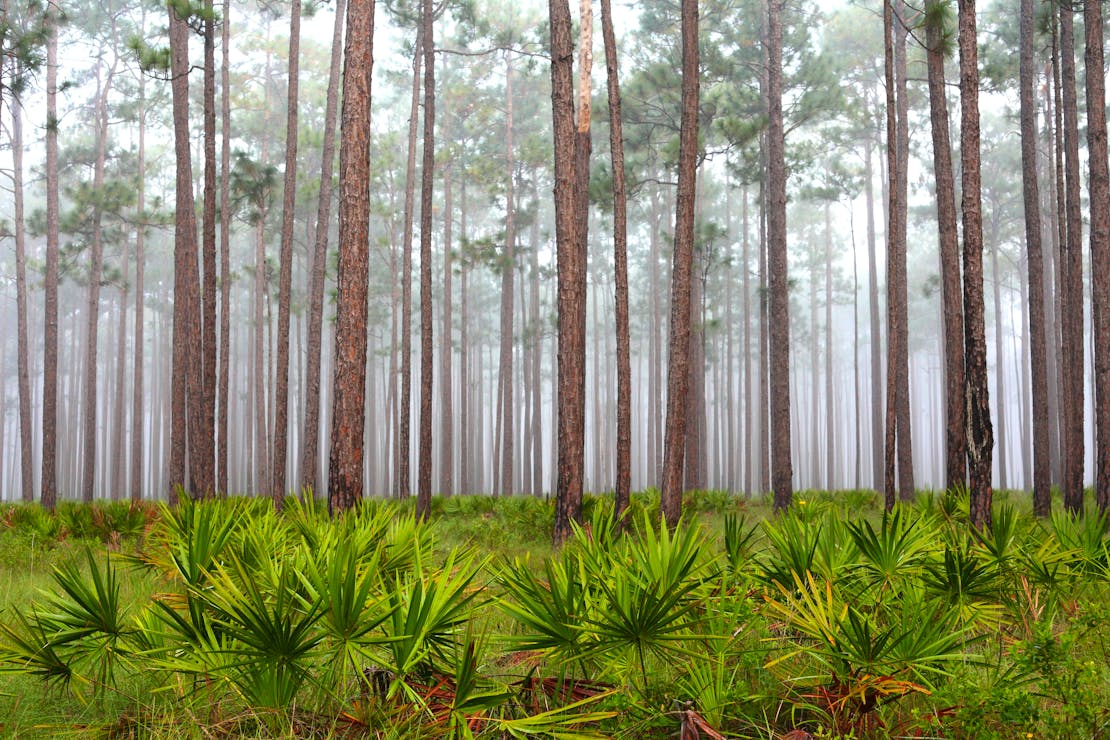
<point x="345" y="476"/>
<point x="309" y="462"/>
<point x="781" y="466"/>
<point x="424" y="472"/>
<point x="1098" y="184"/>
<point x="571" y="259"/>
<point x="623" y="480"/>
<point x="285" y="259"/>
<point x="678" y="367"/>
<point x="951" y="296"/>
<point x="1042" y="494"/>
<point x="980" y="435"/>
<point x="1072" y="266"/>
<point x="404" y="458"/>
<point x="222" y="479"/>
<point x="26" y="473"/>
<point x="508" y="262"/>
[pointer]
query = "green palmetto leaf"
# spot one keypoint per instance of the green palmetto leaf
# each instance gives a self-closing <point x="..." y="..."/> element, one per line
<point x="87" y="622"/>
<point x="272" y="629"/>
<point x="426" y="612"/>
<point x="27" y="648"/>
<point x="894" y="552"/>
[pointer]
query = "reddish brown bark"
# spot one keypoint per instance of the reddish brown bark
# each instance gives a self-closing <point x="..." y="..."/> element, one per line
<point x="424" y="471"/>
<point x="951" y="297"/>
<point x="571" y="267"/>
<point x="980" y="434"/>
<point x="1098" y="184"/>
<point x="26" y="473"/>
<point x="345" y="479"/>
<point x="49" y="481"/>
<point x="1042" y="494"/>
<point x="285" y="275"/>
<point x="678" y="367"/>
<point x="309" y="478"/>
<point x="779" y="286"/>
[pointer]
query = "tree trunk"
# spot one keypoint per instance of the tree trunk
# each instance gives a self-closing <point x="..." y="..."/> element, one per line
<point x="92" y="308"/>
<point x="571" y="258"/>
<point x="137" y="427"/>
<point x="980" y="436"/>
<point x="345" y="479"/>
<point x="877" y="450"/>
<point x="1072" y="266"/>
<point x="447" y="427"/>
<point x="621" y="269"/>
<point x="404" y="488"/>
<point x="1098" y="184"/>
<point x="222" y="481"/>
<point x="1042" y="483"/>
<point x="678" y="366"/>
<point x="26" y="473"/>
<point x="1001" y="434"/>
<point x="749" y="416"/>
<point x="508" y="262"/>
<point x="781" y="466"/>
<point x="187" y="382"/>
<point x="285" y="275"/>
<point x="424" y="474"/>
<point x="951" y="298"/>
<point x="309" y="476"/>
<point x="830" y="400"/>
<point x="207" y="420"/>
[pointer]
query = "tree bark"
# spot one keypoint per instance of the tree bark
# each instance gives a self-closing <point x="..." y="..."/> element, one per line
<point x="571" y="268"/>
<point x="222" y="481"/>
<point x="424" y="474"/>
<point x="26" y="472"/>
<point x="1098" y="184"/>
<point x="980" y="435"/>
<point x="1072" y="266"/>
<point x="208" y="249"/>
<point x="309" y="461"/>
<point x="877" y="451"/>
<point x="285" y="259"/>
<point x="345" y="478"/>
<point x="1042" y="483"/>
<point x="404" y="488"/>
<point x="781" y="466"/>
<point x="92" y="308"/>
<point x="951" y="297"/>
<point x="187" y="382"/>
<point x="678" y="365"/>
<point x="623" y="481"/>
<point x="508" y="263"/>
<point x="447" y="433"/>
<point x="49" y="480"/>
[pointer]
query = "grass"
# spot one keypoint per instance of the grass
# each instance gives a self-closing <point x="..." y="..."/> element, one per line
<point x="833" y="619"/>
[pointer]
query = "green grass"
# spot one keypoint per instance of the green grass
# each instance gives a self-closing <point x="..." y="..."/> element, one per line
<point x="227" y="620"/>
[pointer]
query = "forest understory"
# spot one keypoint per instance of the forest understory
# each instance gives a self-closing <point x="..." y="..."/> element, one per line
<point x="833" y="619"/>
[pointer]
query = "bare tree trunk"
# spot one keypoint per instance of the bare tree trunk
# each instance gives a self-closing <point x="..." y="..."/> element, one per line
<point x="208" y="246"/>
<point x="345" y="479"/>
<point x="781" y="466"/>
<point x="678" y="366"/>
<point x="1001" y="435"/>
<point x="137" y="428"/>
<point x="424" y="474"/>
<point x="309" y="476"/>
<point x="119" y="455"/>
<point x="1098" y="184"/>
<point x="951" y="298"/>
<point x="749" y="415"/>
<point x="877" y="450"/>
<point x="187" y="383"/>
<point x="537" y="358"/>
<point x="447" y="427"/>
<point x="96" y="260"/>
<point x="404" y="488"/>
<point x="222" y="481"/>
<point x="980" y="437"/>
<point x="23" y="354"/>
<point x="1072" y="266"/>
<point x="285" y="275"/>
<point x="830" y="400"/>
<point x="1042" y="483"/>
<point x="571" y="257"/>
<point x="508" y="263"/>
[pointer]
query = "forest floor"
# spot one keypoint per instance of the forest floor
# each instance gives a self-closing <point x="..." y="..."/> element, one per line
<point x="227" y="620"/>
